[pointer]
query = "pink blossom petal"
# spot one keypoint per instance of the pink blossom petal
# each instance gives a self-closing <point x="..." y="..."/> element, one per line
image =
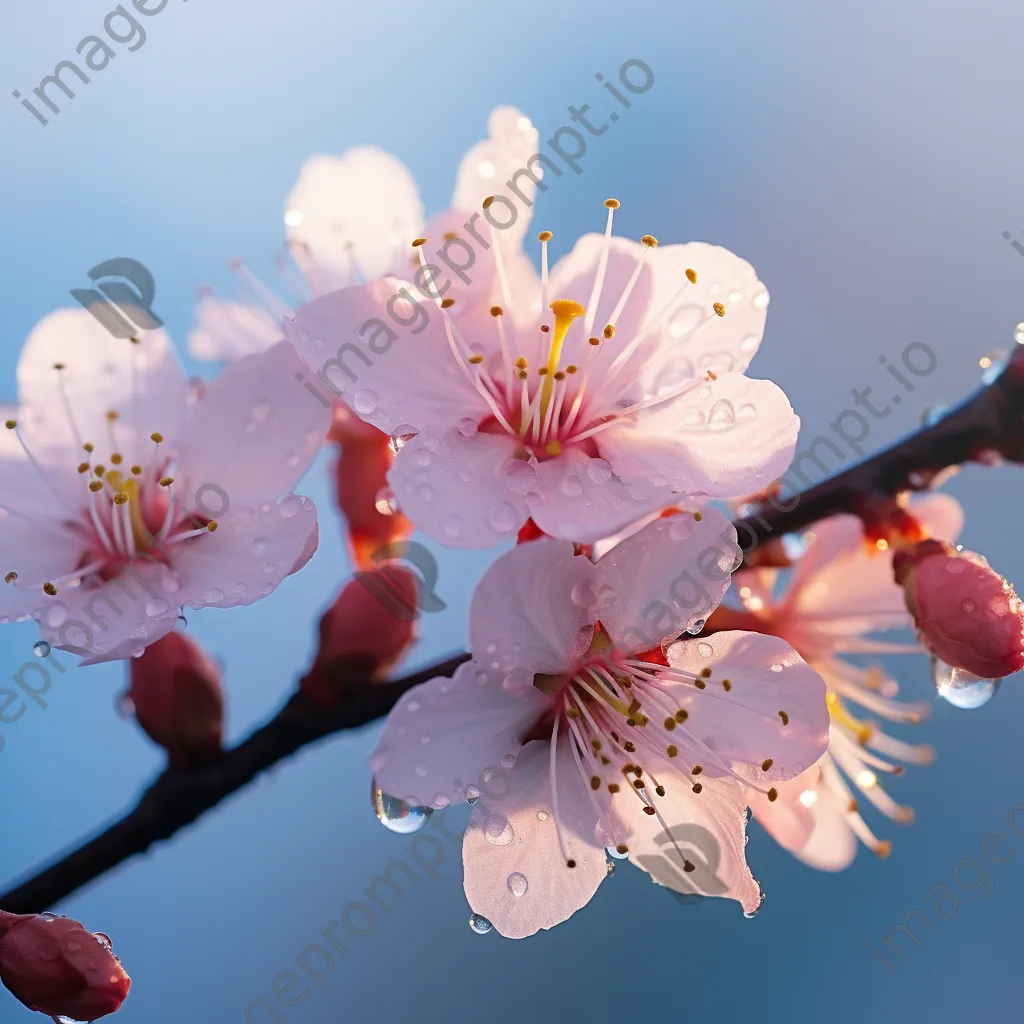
<point x="224" y="331"/>
<point x="578" y="497"/>
<point x="531" y="610"/>
<point x="787" y="819"/>
<point x="389" y="374"/>
<point x="845" y="586"/>
<point x="832" y="846"/>
<point x="487" y="167"/>
<point x="112" y="622"/>
<point x="684" y="343"/>
<point x="774" y="707"/>
<point x="38" y="551"/>
<point x="256" y="431"/>
<point x="97" y="379"/>
<point x="442" y="736"/>
<point x="353" y="212"/>
<point x="668" y="574"/>
<point x="252" y="551"/>
<point x="708" y="830"/>
<point x="729" y="437"/>
<point x="516" y="873"/>
<point x="455" y="490"/>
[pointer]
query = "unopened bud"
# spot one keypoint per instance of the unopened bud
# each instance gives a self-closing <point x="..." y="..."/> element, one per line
<point x="56" y="967"/>
<point x="367" y="629"/>
<point x="966" y="613"/>
<point x="176" y="690"/>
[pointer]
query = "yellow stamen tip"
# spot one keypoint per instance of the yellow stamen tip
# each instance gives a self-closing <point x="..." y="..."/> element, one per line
<point x="553" y="448"/>
<point x="559" y="375"/>
<point x="113" y="415"/>
<point x="60" y="366"/>
<point x="95" y="486"/>
<point x="136" y="470"/>
<point x="542" y="371"/>
<point x="612" y="204"/>
<point x="766" y="764"/>
<point x="567" y="308"/>
<point x="595" y="341"/>
<point x="120" y="498"/>
<point x="521" y="363"/>
<point x="650" y="241"/>
<point x="211" y="526"/>
<point x="475" y="360"/>
<point x="417" y="242"/>
<point x="773" y="794"/>
<point x="496" y="311"/>
<point x="166" y="481"/>
<point x="49" y="588"/>
<point x="545" y="236"/>
<point x="83" y="467"/>
<point x="117" y="459"/>
<point x="487" y="202"/>
<point x="155" y="438"/>
<point x="719" y="309"/>
<point x="883" y="849"/>
<point x="100" y="470"/>
<point x="11" y="424"/>
<point x="609" y="331"/>
<point x="10" y="577"/>
<point x="88" y="448"/>
<point x="447" y="303"/>
<point x="691" y="276"/>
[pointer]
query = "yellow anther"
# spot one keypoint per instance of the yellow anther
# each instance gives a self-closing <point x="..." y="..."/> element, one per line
<point x="697" y="787"/>
<point x="612" y="204"/>
<point x="719" y="309"/>
<point x="595" y="782"/>
<point x="660" y="790"/>
<point x="117" y="458"/>
<point x="545" y="236"/>
<point x="697" y="517"/>
<point x="682" y="715"/>
<point x="649" y="810"/>
<point x="449" y="235"/>
<point x="697" y="769"/>
<point x="571" y="368"/>
<point x="650" y="241"/>
<point x="155" y="437"/>
<point x="670" y="724"/>
<point x="88" y="448"/>
<point x="95" y="487"/>
<point x="100" y="470"/>
<point x="521" y="363"/>
<point x="120" y="498"/>
<point x="487" y="202"/>
<point x="49" y="588"/>
<point x="475" y="360"/>
<point x="136" y="470"/>
<point x="559" y="375"/>
<point x="609" y="331"/>
<point x="11" y="424"/>
<point x="447" y="303"/>
<point x="784" y="717"/>
<point x="60" y="366"/>
<point x="417" y="242"/>
<point x="542" y="371"/>
<point x="706" y="673"/>
<point x="883" y="849"/>
<point x="83" y="467"/>
<point x="773" y="794"/>
<point x="766" y="764"/>
<point x="10" y="577"/>
<point x="113" y="416"/>
<point x="671" y="750"/>
<point x="691" y="276"/>
<point x="135" y="339"/>
<point x="212" y="526"/>
<point x="496" y="311"/>
<point x="553" y="448"/>
<point x="166" y="481"/>
<point x="523" y="374"/>
<point x="594" y="341"/>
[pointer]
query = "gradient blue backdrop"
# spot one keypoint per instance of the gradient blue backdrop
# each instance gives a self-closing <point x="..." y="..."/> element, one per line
<point x="865" y="157"/>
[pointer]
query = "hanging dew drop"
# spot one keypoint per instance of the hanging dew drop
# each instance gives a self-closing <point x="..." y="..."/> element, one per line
<point x="402" y="435"/>
<point x="41" y="649"/>
<point x="480" y="924"/>
<point x="960" y="688"/>
<point x="396" y="815"/>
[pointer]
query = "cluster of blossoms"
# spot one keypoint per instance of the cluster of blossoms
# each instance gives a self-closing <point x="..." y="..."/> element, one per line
<point x="590" y="413"/>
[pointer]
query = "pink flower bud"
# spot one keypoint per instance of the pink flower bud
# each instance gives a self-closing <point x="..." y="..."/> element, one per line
<point x="178" y="701"/>
<point x="54" y="966"/>
<point x="365" y="631"/>
<point x="966" y="613"/>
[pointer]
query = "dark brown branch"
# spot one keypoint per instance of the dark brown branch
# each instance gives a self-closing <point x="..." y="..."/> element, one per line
<point x="987" y="425"/>
<point x="177" y="798"/>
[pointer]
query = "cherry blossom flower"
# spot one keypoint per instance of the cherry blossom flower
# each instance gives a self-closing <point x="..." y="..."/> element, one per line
<point x="130" y="494"/>
<point x="348" y="220"/>
<point x="599" y="740"/>
<point x="625" y="394"/>
<point x="842" y="589"/>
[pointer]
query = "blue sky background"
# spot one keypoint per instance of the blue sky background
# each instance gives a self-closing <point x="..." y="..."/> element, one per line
<point x="865" y="157"/>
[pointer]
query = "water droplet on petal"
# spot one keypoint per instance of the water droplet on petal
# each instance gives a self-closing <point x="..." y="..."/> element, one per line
<point x="41" y="649"/>
<point x="503" y="518"/>
<point x="403" y="434"/>
<point x="695" y="625"/>
<point x="519" y="680"/>
<point x="960" y="688"/>
<point x="968" y="605"/>
<point x="451" y="526"/>
<point x="498" y="830"/>
<point x="684" y="320"/>
<point x="722" y="414"/>
<point x="480" y="924"/>
<point x="599" y="470"/>
<point x="481" y="679"/>
<point x="520" y="476"/>
<point x="156" y="607"/>
<point x="746" y="412"/>
<point x="261" y="410"/>
<point x="582" y="594"/>
<point x="364" y="402"/>
<point x="259" y="545"/>
<point x="704" y="649"/>
<point x="423" y="458"/>
<point x="508" y="761"/>
<point x="290" y="506"/>
<point x="518" y="884"/>
<point x="606" y="596"/>
<point x="397" y="815"/>
<point x="214" y="595"/>
<point x="472" y="794"/>
<point x="468" y="427"/>
<point x="542" y="815"/>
